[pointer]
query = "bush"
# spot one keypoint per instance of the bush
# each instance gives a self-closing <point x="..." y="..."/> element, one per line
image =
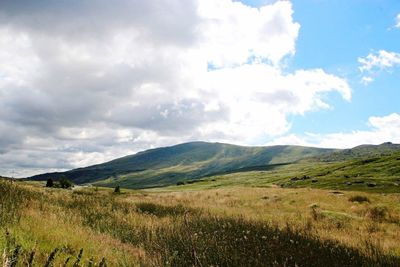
<point x="65" y="183"/>
<point x="117" y="189"/>
<point x="49" y="183"/>
<point x="377" y="213"/>
<point x="359" y="199"/>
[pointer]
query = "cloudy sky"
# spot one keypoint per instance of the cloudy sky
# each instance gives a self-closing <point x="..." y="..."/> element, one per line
<point x="86" y="81"/>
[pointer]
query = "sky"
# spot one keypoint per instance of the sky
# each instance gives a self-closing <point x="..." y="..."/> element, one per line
<point x="83" y="82"/>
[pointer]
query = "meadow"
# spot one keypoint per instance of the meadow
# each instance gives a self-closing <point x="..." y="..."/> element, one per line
<point x="185" y="226"/>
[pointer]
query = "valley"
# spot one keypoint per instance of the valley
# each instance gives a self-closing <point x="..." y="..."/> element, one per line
<point x="205" y="204"/>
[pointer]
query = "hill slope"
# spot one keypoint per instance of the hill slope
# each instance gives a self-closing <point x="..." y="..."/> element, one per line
<point x="167" y="165"/>
<point x="192" y="161"/>
<point x="379" y="174"/>
<point x="362" y="151"/>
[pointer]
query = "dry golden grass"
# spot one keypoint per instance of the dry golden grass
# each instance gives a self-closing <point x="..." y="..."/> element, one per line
<point x="340" y="219"/>
<point x="157" y="228"/>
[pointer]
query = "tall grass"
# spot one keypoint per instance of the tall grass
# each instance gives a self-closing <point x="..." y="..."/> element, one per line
<point x="177" y="235"/>
<point x="15" y="255"/>
<point x="12" y="197"/>
<point x="216" y="241"/>
<point x="189" y="237"/>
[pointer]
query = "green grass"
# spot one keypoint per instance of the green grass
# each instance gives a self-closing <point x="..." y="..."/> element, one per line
<point x="354" y="175"/>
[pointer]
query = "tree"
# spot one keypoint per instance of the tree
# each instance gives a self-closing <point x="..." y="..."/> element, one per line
<point x="117" y="189"/>
<point x="49" y="183"/>
<point x="65" y="183"/>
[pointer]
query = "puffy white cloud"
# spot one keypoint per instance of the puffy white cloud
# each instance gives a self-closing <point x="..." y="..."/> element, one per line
<point x="397" y="25"/>
<point x="381" y="129"/>
<point x="261" y="97"/>
<point x="82" y="82"/>
<point x="235" y="33"/>
<point x="374" y="63"/>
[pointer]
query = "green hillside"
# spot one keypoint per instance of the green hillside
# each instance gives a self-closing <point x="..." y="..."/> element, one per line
<point x="356" y="168"/>
<point x="370" y="174"/>
<point x="362" y="151"/>
<point x="168" y="165"/>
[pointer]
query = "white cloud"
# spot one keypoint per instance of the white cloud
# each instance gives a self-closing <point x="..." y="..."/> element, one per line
<point x="374" y="63"/>
<point x="84" y="83"/>
<point x="397" y="21"/>
<point x="381" y="129"/>
<point x="235" y="33"/>
<point x="262" y="97"/>
<point x="366" y="80"/>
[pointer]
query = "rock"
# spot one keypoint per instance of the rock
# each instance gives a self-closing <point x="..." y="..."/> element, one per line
<point x="305" y="177"/>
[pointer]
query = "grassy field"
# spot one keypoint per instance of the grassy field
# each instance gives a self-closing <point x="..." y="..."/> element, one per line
<point x="368" y="174"/>
<point x="184" y="226"/>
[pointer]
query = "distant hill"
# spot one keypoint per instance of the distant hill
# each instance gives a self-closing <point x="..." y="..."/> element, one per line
<point x="361" y="151"/>
<point x="190" y="161"/>
<point x="167" y="165"/>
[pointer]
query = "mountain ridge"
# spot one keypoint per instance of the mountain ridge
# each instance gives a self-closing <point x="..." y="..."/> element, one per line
<point x="187" y="161"/>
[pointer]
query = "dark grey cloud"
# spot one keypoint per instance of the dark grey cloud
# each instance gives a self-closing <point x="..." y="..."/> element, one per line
<point x="168" y="118"/>
<point x="169" y="22"/>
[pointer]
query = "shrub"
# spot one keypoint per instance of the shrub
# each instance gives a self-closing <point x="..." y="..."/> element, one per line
<point x="377" y="213"/>
<point x="49" y="183"/>
<point x="117" y="189"/>
<point x="65" y="183"/>
<point x="358" y="198"/>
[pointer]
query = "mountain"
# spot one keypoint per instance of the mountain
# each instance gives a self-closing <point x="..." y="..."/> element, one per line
<point x="189" y="162"/>
<point x="168" y="165"/>
<point x="362" y="151"/>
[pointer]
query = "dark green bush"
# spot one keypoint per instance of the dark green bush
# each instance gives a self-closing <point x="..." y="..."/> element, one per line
<point x="358" y="198"/>
<point x="65" y="183"/>
<point x="49" y="183"/>
<point x="117" y="189"/>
